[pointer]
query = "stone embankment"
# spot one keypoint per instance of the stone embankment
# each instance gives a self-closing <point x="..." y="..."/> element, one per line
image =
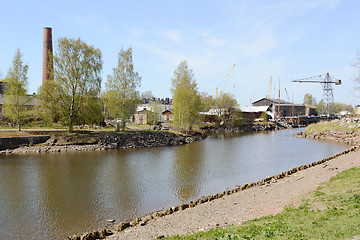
<point x="347" y="137"/>
<point x="105" y="141"/>
<point x="247" y="128"/>
<point x="141" y="221"/>
<point x="14" y="142"/>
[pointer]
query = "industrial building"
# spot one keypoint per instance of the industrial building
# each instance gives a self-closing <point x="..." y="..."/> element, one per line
<point x="287" y="109"/>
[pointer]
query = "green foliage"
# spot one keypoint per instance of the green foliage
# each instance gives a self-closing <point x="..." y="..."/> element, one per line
<point x="153" y="115"/>
<point x="207" y="101"/>
<point x="15" y="91"/>
<point x="225" y="106"/>
<point x="309" y="100"/>
<point x="121" y="94"/>
<point x="343" y="107"/>
<point x="322" y="127"/>
<point x="339" y="220"/>
<point x="72" y="94"/>
<point x="236" y="118"/>
<point x="264" y="116"/>
<point x="186" y="99"/>
<point x="147" y="94"/>
<point x="321" y="107"/>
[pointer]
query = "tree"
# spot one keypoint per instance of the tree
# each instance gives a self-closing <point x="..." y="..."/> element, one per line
<point x="343" y="107"/>
<point x="154" y="113"/>
<point x="320" y="107"/>
<point x="207" y="101"/>
<point x="73" y="92"/>
<point x="186" y="99"/>
<point x="225" y="105"/>
<point x="15" y="91"/>
<point x="309" y="100"/>
<point x="121" y="94"/>
<point x="147" y="94"/>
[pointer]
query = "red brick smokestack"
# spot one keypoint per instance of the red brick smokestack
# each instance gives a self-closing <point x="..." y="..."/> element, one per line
<point x="47" y="48"/>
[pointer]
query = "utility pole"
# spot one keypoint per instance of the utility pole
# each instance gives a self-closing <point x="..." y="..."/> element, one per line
<point x="279" y="102"/>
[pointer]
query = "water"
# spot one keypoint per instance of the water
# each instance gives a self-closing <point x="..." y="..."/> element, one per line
<point x="54" y="195"/>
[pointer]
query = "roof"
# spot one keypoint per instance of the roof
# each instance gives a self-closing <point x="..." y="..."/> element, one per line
<point x="214" y="112"/>
<point x="254" y="109"/>
<point x="167" y="110"/>
<point x="32" y="102"/>
<point x="272" y="101"/>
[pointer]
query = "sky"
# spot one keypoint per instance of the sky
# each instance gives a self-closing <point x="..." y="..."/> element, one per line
<point x="284" y="40"/>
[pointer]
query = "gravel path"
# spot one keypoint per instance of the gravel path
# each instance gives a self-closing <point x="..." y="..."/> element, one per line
<point x="244" y="205"/>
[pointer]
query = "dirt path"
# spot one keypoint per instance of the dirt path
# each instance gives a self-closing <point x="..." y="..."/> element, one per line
<point x="244" y="205"/>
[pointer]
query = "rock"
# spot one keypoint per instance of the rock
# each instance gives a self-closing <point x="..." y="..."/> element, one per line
<point x="50" y="142"/>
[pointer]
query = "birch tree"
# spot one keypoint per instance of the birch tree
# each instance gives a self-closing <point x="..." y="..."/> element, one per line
<point x="121" y="93"/>
<point x="72" y="95"/>
<point x="15" y="91"/>
<point x="186" y="99"/>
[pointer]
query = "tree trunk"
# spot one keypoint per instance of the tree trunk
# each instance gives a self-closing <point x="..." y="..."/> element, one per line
<point x="71" y="126"/>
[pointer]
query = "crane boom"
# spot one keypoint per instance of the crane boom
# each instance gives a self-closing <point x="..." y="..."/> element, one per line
<point x="226" y="81"/>
<point x="326" y="81"/>
<point x="269" y="89"/>
<point x="287" y="95"/>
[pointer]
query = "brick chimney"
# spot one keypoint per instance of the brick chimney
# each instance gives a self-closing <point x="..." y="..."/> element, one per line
<point x="47" y="48"/>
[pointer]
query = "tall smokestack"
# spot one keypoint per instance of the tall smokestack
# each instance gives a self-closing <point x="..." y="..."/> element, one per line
<point x="47" y="48"/>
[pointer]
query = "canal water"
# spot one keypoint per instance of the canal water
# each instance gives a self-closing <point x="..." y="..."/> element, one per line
<point x="54" y="195"/>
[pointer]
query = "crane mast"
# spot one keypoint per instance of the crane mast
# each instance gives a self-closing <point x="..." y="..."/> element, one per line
<point x="269" y="89"/>
<point x="326" y="80"/>
<point x="226" y="81"/>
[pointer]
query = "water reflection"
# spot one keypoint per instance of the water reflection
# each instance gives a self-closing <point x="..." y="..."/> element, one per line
<point x="188" y="170"/>
<point x="51" y="196"/>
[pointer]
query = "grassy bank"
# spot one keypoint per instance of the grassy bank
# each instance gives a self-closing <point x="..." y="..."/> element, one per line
<point x="331" y="126"/>
<point x="331" y="212"/>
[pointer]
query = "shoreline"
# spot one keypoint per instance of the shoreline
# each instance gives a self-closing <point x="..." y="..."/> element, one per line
<point x="111" y="140"/>
<point x="142" y="225"/>
<point x="104" y="140"/>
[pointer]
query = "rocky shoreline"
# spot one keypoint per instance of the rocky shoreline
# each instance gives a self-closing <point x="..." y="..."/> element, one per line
<point x="247" y="128"/>
<point x="112" y="140"/>
<point x="139" y="139"/>
<point x="348" y="137"/>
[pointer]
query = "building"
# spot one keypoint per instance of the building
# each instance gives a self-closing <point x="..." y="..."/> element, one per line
<point x="167" y="116"/>
<point x="357" y="110"/>
<point x="140" y="117"/>
<point x="31" y="104"/>
<point x="163" y="108"/>
<point x="253" y="113"/>
<point x="287" y="109"/>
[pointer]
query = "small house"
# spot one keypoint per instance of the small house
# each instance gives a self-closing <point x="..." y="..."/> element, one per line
<point x="140" y="117"/>
<point x="167" y="116"/>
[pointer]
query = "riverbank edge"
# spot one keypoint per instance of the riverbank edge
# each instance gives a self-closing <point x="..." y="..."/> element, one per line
<point x="110" y="140"/>
<point x="118" y="227"/>
<point x="124" y="140"/>
<point x="348" y="137"/>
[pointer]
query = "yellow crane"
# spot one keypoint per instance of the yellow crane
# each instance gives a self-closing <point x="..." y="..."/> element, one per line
<point x="226" y="81"/>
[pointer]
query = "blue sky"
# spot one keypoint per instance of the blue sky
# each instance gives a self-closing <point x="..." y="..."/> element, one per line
<point x="283" y="39"/>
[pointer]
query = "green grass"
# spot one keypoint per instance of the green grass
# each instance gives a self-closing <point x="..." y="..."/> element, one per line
<point x="332" y="212"/>
<point x="330" y="126"/>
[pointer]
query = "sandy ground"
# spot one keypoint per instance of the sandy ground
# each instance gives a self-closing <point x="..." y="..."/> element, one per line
<point x="244" y="205"/>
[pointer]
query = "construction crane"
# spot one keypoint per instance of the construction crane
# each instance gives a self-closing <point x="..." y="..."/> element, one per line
<point x="326" y="81"/>
<point x="287" y="95"/>
<point x="269" y="89"/>
<point x="226" y="81"/>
